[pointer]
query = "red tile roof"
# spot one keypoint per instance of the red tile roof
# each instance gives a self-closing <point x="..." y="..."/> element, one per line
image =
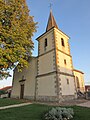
<point x="6" y="88"/>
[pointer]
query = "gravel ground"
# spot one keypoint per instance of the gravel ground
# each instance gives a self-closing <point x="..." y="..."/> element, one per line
<point x="65" y="103"/>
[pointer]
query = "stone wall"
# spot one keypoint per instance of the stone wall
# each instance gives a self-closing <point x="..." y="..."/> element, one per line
<point x="47" y="98"/>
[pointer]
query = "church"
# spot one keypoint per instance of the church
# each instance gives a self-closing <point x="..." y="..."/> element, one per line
<point x="51" y="75"/>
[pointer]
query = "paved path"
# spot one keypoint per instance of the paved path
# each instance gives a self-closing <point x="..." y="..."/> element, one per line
<point x="86" y="104"/>
<point x="13" y="106"/>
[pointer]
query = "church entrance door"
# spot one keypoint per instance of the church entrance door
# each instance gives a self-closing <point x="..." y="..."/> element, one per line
<point x="22" y="92"/>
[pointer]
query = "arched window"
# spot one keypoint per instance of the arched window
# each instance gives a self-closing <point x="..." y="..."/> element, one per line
<point x="77" y="82"/>
<point x="62" y="42"/>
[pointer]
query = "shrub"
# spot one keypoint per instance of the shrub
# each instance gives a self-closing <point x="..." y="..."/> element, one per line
<point x="2" y="92"/>
<point x="59" y="113"/>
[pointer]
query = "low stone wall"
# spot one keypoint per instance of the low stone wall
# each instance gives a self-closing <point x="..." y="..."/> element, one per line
<point x="14" y="96"/>
<point x="29" y="97"/>
<point x="47" y="98"/>
<point x="55" y="98"/>
<point x="68" y="97"/>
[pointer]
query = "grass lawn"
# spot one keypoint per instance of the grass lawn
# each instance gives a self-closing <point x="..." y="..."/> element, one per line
<point x="35" y="111"/>
<point x="6" y="102"/>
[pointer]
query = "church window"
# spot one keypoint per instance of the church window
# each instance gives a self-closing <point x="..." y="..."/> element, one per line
<point x="62" y="42"/>
<point x="68" y="81"/>
<point x="45" y="42"/>
<point x="65" y="61"/>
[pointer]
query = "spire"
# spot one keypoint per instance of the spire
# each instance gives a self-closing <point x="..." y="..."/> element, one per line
<point x="51" y="22"/>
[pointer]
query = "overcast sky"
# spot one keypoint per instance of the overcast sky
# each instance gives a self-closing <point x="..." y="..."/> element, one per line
<point x="73" y="18"/>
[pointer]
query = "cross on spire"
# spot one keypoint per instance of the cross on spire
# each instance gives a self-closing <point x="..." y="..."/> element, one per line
<point x="50" y="6"/>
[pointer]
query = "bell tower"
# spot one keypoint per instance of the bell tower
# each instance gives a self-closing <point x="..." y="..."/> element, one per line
<point x="55" y="79"/>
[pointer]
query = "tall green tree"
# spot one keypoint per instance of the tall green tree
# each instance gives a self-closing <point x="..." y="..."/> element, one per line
<point x="16" y="30"/>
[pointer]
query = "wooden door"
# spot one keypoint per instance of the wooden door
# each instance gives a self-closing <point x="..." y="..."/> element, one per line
<point x="22" y="92"/>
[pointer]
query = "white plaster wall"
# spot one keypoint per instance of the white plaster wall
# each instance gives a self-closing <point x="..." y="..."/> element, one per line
<point x="50" y="42"/>
<point x="58" y="35"/>
<point x="46" y="63"/>
<point x="80" y="76"/>
<point x="16" y="86"/>
<point x="46" y="86"/>
<point x="66" y="68"/>
<point x="30" y="76"/>
<point x="67" y="89"/>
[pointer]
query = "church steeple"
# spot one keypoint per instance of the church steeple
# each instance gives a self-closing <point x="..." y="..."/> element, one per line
<point x="51" y="22"/>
